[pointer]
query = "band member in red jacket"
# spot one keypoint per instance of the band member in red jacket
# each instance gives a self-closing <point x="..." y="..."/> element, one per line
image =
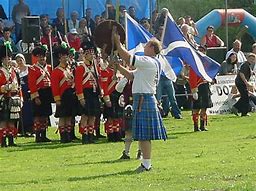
<point x="201" y="98"/>
<point x="10" y="98"/>
<point x="88" y="91"/>
<point x="62" y="81"/>
<point x="113" y="112"/>
<point x="40" y="88"/>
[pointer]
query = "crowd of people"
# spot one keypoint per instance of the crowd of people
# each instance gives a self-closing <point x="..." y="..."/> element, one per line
<point x="83" y="81"/>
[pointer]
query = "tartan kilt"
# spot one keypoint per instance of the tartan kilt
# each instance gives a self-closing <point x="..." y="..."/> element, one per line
<point x="46" y="98"/>
<point x="147" y="124"/>
<point x="115" y="111"/>
<point x="6" y="112"/>
<point x="92" y="103"/>
<point x="204" y="97"/>
<point x="69" y="104"/>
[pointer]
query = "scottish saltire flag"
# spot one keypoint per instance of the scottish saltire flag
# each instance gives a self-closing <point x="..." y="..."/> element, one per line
<point x="137" y="37"/>
<point x="176" y="45"/>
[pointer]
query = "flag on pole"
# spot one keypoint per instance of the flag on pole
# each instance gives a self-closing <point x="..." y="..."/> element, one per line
<point x="137" y="37"/>
<point x="175" y="45"/>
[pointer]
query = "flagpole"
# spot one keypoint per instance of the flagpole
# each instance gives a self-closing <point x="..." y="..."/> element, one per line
<point x="165" y="22"/>
<point x="117" y="10"/>
<point x="226" y="22"/>
<point x="150" y="15"/>
<point x="125" y="24"/>
<point x="65" y="23"/>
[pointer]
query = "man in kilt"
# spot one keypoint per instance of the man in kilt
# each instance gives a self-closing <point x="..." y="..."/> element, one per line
<point x="10" y="98"/>
<point x="201" y="98"/>
<point x="41" y="95"/>
<point x="147" y="123"/>
<point x="88" y="91"/>
<point x="63" y="84"/>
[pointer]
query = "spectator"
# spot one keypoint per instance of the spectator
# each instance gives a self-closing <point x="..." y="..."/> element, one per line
<point x="211" y="39"/>
<point x="82" y="29"/>
<point x="7" y="37"/>
<point x="98" y="19"/>
<point x="243" y="86"/>
<point x="44" y="22"/>
<point x="192" y="26"/>
<point x="45" y="38"/>
<point x="237" y="49"/>
<point x="19" y="11"/>
<point x="73" y="22"/>
<point x="59" y="23"/>
<point x="180" y="21"/>
<point x="122" y="9"/>
<point x="74" y="40"/>
<point x="90" y="21"/>
<point x="189" y="37"/>
<point x="154" y="19"/>
<point x="161" y="18"/>
<point x="145" y="23"/>
<point x="229" y="66"/>
<point x="132" y="13"/>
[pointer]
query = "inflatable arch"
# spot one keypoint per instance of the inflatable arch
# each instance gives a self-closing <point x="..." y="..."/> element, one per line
<point x="236" y="17"/>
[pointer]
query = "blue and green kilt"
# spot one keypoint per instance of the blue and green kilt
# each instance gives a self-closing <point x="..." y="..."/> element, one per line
<point x="147" y="124"/>
<point x="204" y="97"/>
<point x="92" y="103"/>
<point x="69" y="104"/>
<point x="115" y="111"/>
<point x="45" y="108"/>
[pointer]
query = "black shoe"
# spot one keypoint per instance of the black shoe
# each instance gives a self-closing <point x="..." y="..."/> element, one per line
<point x="45" y="140"/>
<point x="125" y="156"/>
<point x="196" y="129"/>
<point x="11" y="141"/>
<point x="85" y="139"/>
<point x="38" y="138"/>
<point x="91" y="138"/>
<point x="111" y="137"/>
<point x="100" y="136"/>
<point x="62" y="137"/>
<point x="142" y="168"/>
<point x="3" y="143"/>
<point x="203" y="129"/>
<point x="234" y="110"/>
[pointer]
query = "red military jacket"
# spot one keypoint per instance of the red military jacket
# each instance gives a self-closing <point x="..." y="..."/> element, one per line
<point x="38" y="78"/>
<point x="84" y="78"/>
<point x="61" y="80"/>
<point x="8" y="76"/>
<point x="107" y="82"/>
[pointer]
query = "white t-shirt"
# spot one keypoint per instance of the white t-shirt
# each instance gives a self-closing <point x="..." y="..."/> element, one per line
<point x="145" y="75"/>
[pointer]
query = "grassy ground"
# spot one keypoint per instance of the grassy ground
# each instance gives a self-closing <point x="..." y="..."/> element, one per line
<point x="221" y="159"/>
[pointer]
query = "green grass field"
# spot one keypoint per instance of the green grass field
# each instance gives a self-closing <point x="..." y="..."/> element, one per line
<point x="221" y="159"/>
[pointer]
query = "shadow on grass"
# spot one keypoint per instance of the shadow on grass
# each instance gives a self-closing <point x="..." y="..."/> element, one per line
<point x="51" y="145"/>
<point x="128" y="172"/>
<point x="54" y="144"/>
<point x="182" y="133"/>
<point x="100" y="162"/>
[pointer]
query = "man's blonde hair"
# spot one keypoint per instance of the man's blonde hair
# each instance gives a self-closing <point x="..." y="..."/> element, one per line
<point x="156" y="44"/>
